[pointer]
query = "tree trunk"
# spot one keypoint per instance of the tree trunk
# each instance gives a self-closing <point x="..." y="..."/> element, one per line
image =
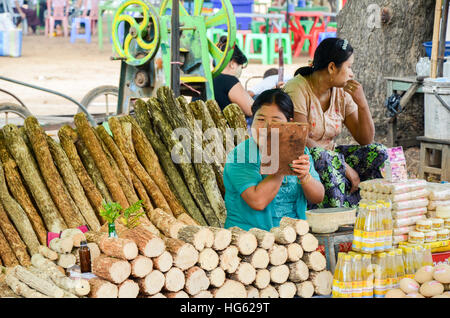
<point x="229" y="259"/>
<point x="125" y="249"/>
<point x="66" y="260"/>
<point x="19" y="192"/>
<point x="48" y="253"/>
<point x="262" y="278"/>
<point x="166" y="223"/>
<point x="279" y="274"/>
<point x="286" y="290"/>
<point x="245" y="241"/>
<point x="112" y="269"/>
<point x="295" y="252"/>
<point x="148" y="243"/>
<point x="222" y="238"/>
<point x="128" y="289"/>
<point x="300" y="226"/>
<point x="200" y="237"/>
<point x="102" y="289"/>
<point x="322" y="282"/>
<point x="175" y="280"/>
<point x="305" y="289"/>
<point x="22" y="289"/>
<point x="6" y="253"/>
<point x="315" y="261"/>
<point x="265" y="239"/>
<point x="75" y="235"/>
<point x="176" y="148"/>
<point x="141" y="266"/>
<point x="43" y="286"/>
<point x="196" y="281"/>
<point x="52" y="178"/>
<point x="269" y="292"/>
<point x="180" y="294"/>
<point x="208" y="259"/>
<point x="245" y="273"/>
<point x="163" y="262"/>
<point x="127" y="149"/>
<point x="168" y="166"/>
<point x="284" y="234"/>
<point x="259" y="259"/>
<point x="187" y="219"/>
<point x="360" y="22"/>
<point x="216" y="277"/>
<point x="278" y="254"/>
<point x="298" y="272"/>
<point x="184" y="254"/>
<point x="230" y="289"/>
<point x="61" y="245"/>
<point x="152" y="283"/>
<point x="222" y="124"/>
<point x="308" y="242"/>
<point x="18" y="217"/>
<point x="30" y="172"/>
<point x="12" y="240"/>
<point x="236" y="120"/>
<point x="151" y="163"/>
<point x="68" y="137"/>
<point x="252" y="292"/>
<point x="90" y="140"/>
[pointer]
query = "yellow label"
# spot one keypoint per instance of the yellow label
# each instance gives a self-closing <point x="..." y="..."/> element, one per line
<point x="357" y="289"/>
<point x="342" y="291"/>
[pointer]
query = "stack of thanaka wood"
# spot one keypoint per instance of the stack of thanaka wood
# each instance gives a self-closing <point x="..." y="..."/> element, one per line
<point x="176" y="260"/>
<point x="49" y="185"/>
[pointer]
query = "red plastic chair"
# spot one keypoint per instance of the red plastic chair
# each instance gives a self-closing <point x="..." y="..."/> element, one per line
<point x="58" y="10"/>
<point x="315" y="39"/>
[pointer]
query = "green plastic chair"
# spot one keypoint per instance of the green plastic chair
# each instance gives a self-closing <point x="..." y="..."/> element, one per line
<point x="287" y="49"/>
<point x="240" y="40"/>
<point x="215" y="34"/>
<point x="263" y="55"/>
<point x="307" y="25"/>
<point x="256" y="25"/>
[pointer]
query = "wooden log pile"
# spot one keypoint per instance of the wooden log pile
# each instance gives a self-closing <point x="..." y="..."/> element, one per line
<point x="180" y="248"/>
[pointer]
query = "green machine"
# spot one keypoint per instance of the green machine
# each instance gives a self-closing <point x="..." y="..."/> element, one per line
<point x="144" y="49"/>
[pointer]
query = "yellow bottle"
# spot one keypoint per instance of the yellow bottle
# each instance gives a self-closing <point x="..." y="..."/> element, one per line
<point x="357" y="284"/>
<point x="369" y="233"/>
<point x="427" y="259"/>
<point x="392" y="280"/>
<point x="388" y="224"/>
<point x="346" y="285"/>
<point x="418" y="257"/>
<point x="359" y="227"/>
<point x="409" y="262"/>
<point x="367" y="275"/>
<point x="380" y="242"/>
<point x="337" y="276"/>
<point x="399" y="265"/>
<point x="380" y="281"/>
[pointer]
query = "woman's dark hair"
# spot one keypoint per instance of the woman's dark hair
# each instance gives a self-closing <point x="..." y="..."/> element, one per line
<point x="329" y="50"/>
<point x="238" y="56"/>
<point x="278" y="97"/>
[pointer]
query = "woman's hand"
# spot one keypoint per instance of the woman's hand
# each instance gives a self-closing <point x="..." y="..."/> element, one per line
<point x="301" y="166"/>
<point x="353" y="177"/>
<point x="356" y="91"/>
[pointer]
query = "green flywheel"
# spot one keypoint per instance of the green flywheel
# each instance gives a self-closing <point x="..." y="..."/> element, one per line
<point x="141" y="43"/>
<point x="225" y="16"/>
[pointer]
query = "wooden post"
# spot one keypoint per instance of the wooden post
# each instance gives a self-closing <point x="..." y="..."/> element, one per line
<point x="442" y="42"/>
<point x="175" y="48"/>
<point x="435" y="49"/>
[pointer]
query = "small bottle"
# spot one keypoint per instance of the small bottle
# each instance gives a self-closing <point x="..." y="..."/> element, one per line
<point x="391" y="270"/>
<point x="409" y="262"/>
<point x="367" y="270"/>
<point x="427" y="259"/>
<point x="85" y="257"/>
<point x="399" y="264"/>
<point x="357" y="281"/>
<point x="112" y="230"/>
<point x="346" y="282"/>
<point x="380" y="282"/>
<point x="337" y="274"/>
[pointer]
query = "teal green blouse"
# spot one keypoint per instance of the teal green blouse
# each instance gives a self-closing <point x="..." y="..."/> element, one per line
<point x="242" y="171"/>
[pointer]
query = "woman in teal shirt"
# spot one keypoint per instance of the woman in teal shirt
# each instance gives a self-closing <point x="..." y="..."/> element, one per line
<point x="257" y="201"/>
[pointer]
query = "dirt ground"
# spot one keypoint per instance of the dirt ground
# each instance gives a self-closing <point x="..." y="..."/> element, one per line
<point x="75" y="69"/>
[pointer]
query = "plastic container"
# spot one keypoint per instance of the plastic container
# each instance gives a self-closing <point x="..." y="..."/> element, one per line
<point x="367" y="275"/>
<point x="430" y="236"/>
<point x="346" y="278"/>
<point x="381" y="277"/>
<point x="392" y="280"/>
<point x="399" y="264"/>
<point x="443" y="235"/>
<point x="336" y="293"/>
<point x="424" y="225"/>
<point x="427" y="256"/>
<point x="437" y="118"/>
<point x="416" y="237"/>
<point x="11" y="43"/>
<point x="357" y="280"/>
<point x="447" y="223"/>
<point x="438" y="224"/>
<point x="429" y="47"/>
